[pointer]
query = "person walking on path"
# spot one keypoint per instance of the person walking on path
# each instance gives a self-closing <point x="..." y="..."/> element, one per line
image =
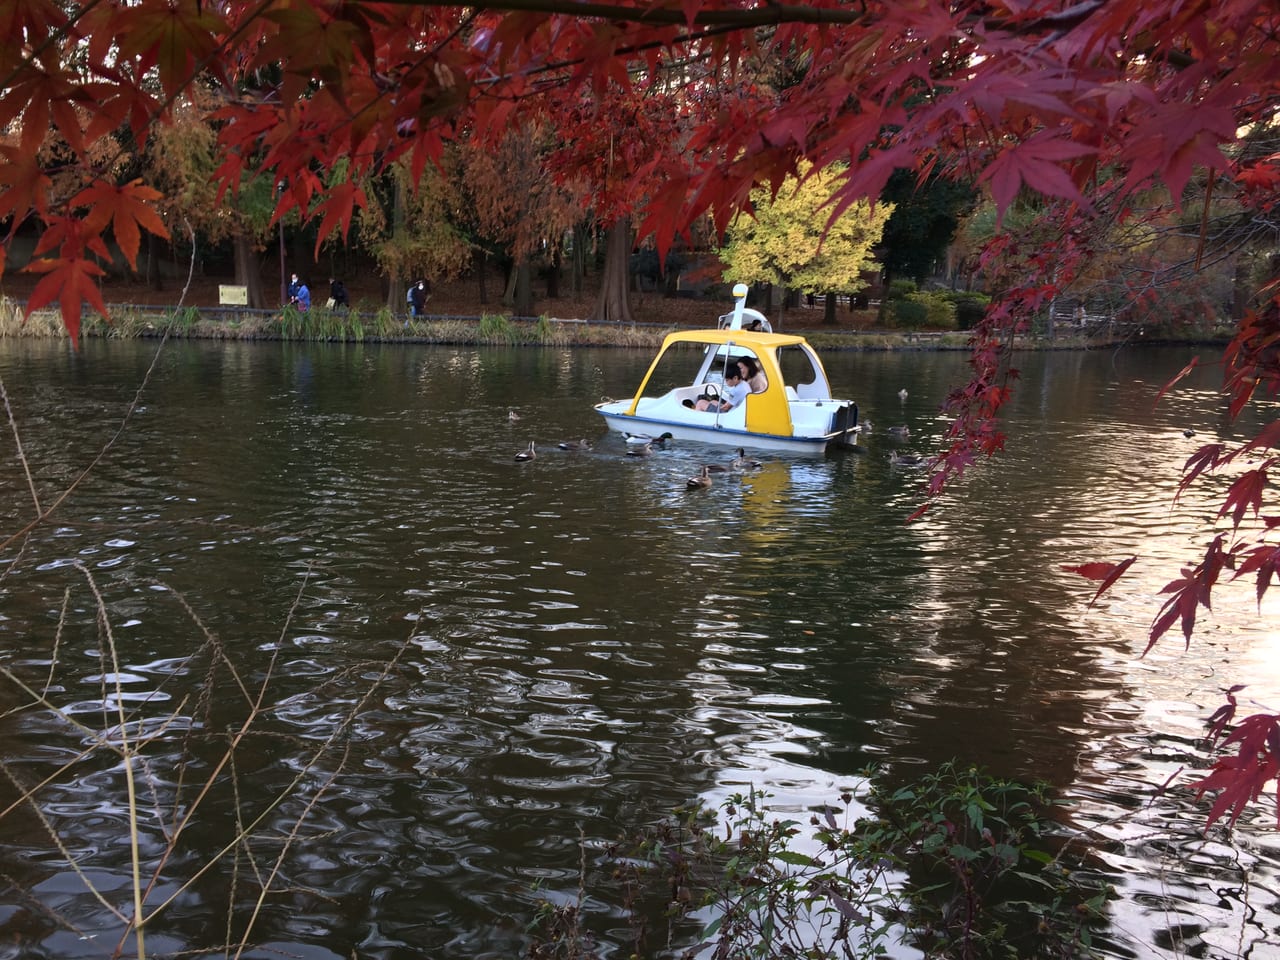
<point x="338" y="299"/>
<point x="419" y="294"/>
<point x="301" y="296"/>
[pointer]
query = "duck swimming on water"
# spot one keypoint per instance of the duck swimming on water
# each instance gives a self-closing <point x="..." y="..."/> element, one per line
<point x="643" y="438"/>
<point x="576" y="445"/>
<point x="912" y="461"/>
<point x="525" y="455"/>
<point x="701" y="481"/>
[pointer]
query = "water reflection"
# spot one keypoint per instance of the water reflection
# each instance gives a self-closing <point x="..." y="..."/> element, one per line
<point x="580" y="642"/>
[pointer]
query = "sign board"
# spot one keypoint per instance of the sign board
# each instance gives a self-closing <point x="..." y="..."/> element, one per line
<point x="230" y="294"/>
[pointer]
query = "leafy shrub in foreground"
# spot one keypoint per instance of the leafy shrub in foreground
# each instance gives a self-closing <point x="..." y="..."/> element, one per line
<point x="955" y="865"/>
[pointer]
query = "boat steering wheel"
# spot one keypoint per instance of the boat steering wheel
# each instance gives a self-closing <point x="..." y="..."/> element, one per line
<point x="711" y="391"/>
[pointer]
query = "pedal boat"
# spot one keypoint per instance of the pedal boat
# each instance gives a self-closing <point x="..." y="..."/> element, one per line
<point x="795" y="411"/>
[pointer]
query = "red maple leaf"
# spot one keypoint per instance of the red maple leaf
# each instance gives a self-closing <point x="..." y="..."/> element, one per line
<point x="1264" y="560"/>
<point x="173" y="35"/>
<point x="338" y="207"/>
<point x="23" y="185"/>
<point x="69" y="281"/>
<point x="1191" y="590"/>
<point x="1245" y="493"/>
<point x="1242" y="777"/>
<point x="1108" y="573"/>
<point x="126" y="208"/>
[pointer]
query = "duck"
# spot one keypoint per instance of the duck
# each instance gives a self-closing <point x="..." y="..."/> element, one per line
<point x="526" y="454"/>
<point x="901" y="432"/>
<point x="743" y="462"/>
<point x="512" y="416"/>
<point x="701" y="481"/>
<point x="583" y="444"/>
<point x="1188" y="433"/>
<point x="643" y="438"/>
<point x="902" y="394"/>
<point x="639" y="449"/>
<point x="911" y="461"/>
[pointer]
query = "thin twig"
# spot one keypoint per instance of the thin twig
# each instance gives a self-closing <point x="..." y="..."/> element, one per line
<point x="17" y="439"/>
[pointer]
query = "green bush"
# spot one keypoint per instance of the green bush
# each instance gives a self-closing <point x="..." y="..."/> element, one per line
<point x="898" y="289"/>
<point x="910" y="313"/>
<point x="955" y="864"/>
<point x="940" y="312"/>
<point x="970" y="308"/>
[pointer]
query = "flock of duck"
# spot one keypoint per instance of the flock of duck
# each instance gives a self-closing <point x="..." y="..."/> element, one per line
<point x="642" y="445"/>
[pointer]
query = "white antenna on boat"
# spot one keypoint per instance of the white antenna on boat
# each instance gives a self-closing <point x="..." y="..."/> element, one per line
<point x="740" y="301"/>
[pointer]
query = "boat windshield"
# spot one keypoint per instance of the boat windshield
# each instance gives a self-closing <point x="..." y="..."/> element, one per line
<point x="681" y="365"/>
<point x="801" y="370"/>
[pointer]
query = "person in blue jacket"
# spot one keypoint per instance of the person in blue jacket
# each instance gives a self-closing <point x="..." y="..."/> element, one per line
<point x="301" y="296"/>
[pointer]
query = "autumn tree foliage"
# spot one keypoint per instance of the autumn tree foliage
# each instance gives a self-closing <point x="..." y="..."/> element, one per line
<point x="180" y="160"/>
<point x="787" y="238"/>
<point x="1095" y="107"/>
<point x="515" y="202"/>
<point x="409" y="224"/>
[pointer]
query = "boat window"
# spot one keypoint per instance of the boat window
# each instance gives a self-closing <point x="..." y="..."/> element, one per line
<point x="680" y="367"/>
<point x="797" y="368"/>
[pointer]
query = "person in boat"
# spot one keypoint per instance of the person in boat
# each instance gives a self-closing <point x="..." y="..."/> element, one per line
<point x="752" y="375"/>
<point x="735" y="391"/>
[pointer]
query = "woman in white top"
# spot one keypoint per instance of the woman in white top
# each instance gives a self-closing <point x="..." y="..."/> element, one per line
<point x="752" y="375"/>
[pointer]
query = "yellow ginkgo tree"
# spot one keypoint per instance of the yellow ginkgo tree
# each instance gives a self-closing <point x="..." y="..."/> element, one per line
<point x="791" y="241"/>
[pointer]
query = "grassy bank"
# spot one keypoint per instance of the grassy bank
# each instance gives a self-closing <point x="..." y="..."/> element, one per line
<point x="384" y="326"/>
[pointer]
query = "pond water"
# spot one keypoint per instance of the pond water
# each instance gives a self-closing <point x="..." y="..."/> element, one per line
<point x="468" y="669"/>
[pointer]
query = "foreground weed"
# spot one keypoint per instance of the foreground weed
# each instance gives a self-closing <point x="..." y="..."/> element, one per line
<point x="955" y="865"/>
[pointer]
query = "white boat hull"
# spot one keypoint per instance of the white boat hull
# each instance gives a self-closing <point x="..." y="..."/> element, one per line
<point x="724" y="430"/>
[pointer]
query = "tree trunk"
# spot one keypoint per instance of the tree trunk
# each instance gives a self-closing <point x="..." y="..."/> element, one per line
<point x="154" y="279"/>
<point x="522" y="303"/>
<point x="553" y="274"/>
<point x="829" y="309"/>
<point x="397" y="286"/>
<point x="509" y="291"/>
<point x="480" y="259"/>
<point x="578" y="270"/>
<point x="248" y="271"/>
<point x="611" y="304"/>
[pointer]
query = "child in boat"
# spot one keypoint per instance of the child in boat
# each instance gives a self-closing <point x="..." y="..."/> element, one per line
<point x="735" y="391"/>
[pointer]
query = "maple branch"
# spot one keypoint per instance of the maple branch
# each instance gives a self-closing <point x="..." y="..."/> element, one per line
<point x="767" y="15"/>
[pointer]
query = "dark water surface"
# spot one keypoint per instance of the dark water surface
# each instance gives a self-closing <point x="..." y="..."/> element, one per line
<point x="578" y="644"/>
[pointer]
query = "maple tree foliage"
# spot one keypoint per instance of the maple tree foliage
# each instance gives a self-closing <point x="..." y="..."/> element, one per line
<point x="1089" y="105"/>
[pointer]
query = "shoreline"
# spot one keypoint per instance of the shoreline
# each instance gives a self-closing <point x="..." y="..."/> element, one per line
<point x="132" y="322"/>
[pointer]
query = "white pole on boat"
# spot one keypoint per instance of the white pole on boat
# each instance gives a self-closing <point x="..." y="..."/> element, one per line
<point x="740" y="303"/>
